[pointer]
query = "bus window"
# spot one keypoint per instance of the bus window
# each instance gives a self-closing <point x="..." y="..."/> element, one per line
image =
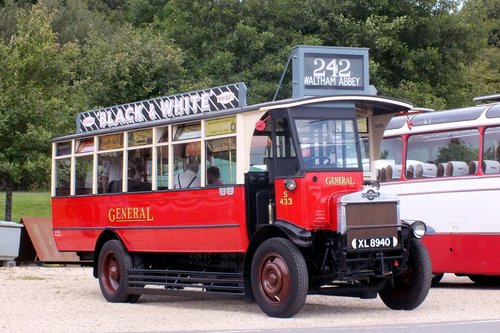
<point x="63" y="179"/>
<point x="186" y="132"/>
<point x="221" y="153"/>
<point x="140" y="138"/>
<point x="260" y="151"/>
<point x="328" y="143"/>
<point x="139" y="170"/>
<point x="491" y="151"/>
<point x="139" y="161"/>
<point x="187" y="157"/>
<point x="63" y="148"/>
<point x="110" y="166"/>
<point x="162" y="167"/>
<point x="162" y="134"/>
<point x="84" y="172"/>
<point x="85" y="146"/>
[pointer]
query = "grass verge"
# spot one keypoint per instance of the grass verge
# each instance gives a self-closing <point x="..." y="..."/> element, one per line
<point x="35" y="204"/>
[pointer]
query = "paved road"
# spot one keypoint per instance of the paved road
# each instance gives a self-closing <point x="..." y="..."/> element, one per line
<point x="68" y="299"/>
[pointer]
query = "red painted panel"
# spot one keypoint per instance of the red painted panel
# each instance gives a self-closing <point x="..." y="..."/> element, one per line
<point x="201" y="220"/>
<point x="310" y="204"/>
<point x="464" y="253"/>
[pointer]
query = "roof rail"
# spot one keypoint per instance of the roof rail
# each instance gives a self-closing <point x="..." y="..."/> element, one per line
<point x="486" y="99"/>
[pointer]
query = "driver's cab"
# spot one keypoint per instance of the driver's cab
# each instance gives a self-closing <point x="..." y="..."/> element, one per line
<point x="303" y="155"/>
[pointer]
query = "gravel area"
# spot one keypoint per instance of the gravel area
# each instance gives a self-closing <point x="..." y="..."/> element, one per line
<point x="68" y="299"/>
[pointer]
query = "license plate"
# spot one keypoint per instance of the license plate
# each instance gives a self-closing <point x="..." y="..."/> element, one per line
<point x="373" y="243"/>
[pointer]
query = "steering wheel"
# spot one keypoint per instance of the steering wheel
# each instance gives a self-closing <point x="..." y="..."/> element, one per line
<point x="323" y="160"/>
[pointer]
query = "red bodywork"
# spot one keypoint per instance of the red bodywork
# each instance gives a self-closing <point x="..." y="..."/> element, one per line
<point x="464" y="253"/>
<point x="200" y="220"/>
<point x="313" y="204"/>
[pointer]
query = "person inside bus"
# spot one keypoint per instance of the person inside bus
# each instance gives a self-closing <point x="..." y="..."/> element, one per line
<point x="134" y="182"/>
<point x="189" y="178"/>
<point x="213" y="177"/>
<point x="111" y="175"/>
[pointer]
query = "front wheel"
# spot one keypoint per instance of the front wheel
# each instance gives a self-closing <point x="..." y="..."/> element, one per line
<point x="113" y="266"/>
<point x="279" y="278"/>
<point x="412" y="286"/>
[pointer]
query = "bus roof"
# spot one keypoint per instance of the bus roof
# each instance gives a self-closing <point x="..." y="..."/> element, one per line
<point x="379" y="104"/>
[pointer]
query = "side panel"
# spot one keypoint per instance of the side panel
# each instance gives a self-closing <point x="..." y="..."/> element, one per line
<point x="201" y="220"/>
<point x="463" y="213"/>
<point x="464" y="253"/>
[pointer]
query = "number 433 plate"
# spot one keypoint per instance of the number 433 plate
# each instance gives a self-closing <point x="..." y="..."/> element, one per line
<point x="370" y="243"/>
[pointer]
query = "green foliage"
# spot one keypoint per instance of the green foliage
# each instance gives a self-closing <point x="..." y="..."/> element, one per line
<point x="129" y="66"/>
<point x="37" y="93"/>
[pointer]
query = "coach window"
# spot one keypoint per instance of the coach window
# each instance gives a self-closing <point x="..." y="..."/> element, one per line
<point x="110" y="163"/>
<point x="63" y="169"/>
<point x="139" y="160"/>
<point x="162" y="158"/>
<point x="491" y="151"/>
<point x="451" y="152"/>
<point x="84" y="166"/>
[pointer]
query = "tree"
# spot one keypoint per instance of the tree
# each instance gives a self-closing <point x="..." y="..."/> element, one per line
<point x="37" y="95"/>
<point x="128" y="66"/>
<point x="413" y="44"/>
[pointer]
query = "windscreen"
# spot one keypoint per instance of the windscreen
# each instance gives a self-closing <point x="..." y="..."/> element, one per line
<point x="328" y="143"/>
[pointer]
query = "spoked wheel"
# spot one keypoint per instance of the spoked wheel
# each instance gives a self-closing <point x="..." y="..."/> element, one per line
<point x="113" y="265"/>
<point x="411" y="287"/>
<point x="279" y="278"/>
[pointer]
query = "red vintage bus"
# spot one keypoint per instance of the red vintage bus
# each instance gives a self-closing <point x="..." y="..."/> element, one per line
<point x="287" y="213"/>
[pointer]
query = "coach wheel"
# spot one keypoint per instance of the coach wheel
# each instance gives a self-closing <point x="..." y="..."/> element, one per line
<point x="412" y="286"/>
<point x="279" y="278"/>
<point x="113" y="265"/>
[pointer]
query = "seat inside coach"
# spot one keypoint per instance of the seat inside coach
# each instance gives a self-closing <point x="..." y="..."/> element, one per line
<point x="393" y="172"/>
<point x="490" y="166"/>
<point x="456" y="168"/>
<point x="473" y="167"/>
<point x="425" y="170"/>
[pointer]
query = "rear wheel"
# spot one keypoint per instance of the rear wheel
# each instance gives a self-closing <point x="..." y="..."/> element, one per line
<point x="113" y="265"/>
<point x="279" y="278"/>
<point x="411" y="287"/>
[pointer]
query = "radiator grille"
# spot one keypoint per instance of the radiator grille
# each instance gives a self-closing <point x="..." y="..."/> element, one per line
<point x="369" y="218"/>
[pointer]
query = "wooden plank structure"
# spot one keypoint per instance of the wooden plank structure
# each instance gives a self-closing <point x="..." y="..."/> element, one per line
<point x="38" y="245"/>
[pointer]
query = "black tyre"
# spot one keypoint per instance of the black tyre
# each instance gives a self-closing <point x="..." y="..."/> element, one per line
<point x="485" y="280"/>
<point x="279" y="278"/>
<point x="114" y="263"/>
<point x="411" y="287"/>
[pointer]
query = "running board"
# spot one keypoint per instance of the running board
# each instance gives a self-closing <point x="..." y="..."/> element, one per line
<point x="185" y="283"/>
